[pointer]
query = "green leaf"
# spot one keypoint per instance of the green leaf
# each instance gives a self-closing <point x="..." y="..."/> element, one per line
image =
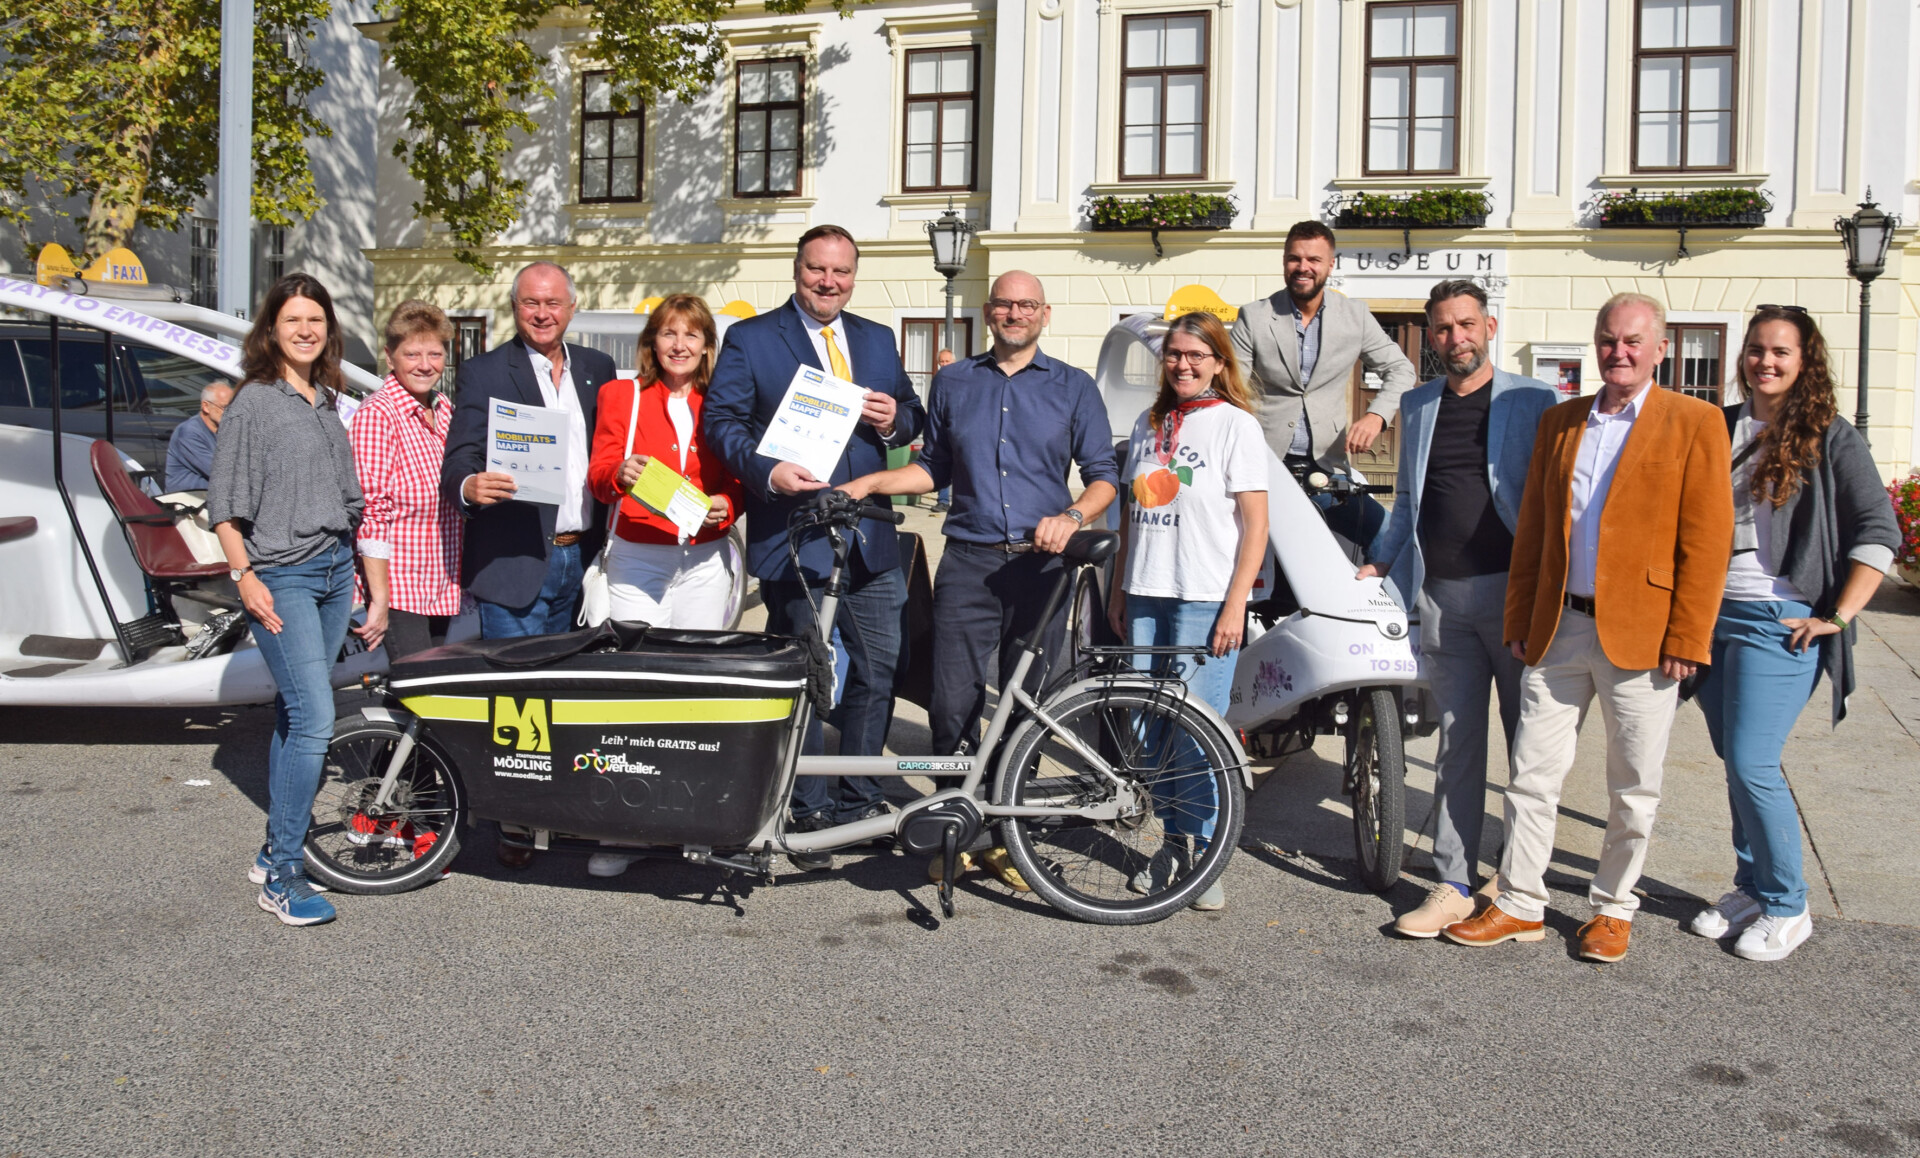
<point x="1186" y="475"/>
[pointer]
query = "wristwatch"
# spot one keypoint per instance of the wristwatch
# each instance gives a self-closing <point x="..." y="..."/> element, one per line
<point x="238" y="573"/>
<point x="1839" y="621"/>
<point x="1078" y="518"/>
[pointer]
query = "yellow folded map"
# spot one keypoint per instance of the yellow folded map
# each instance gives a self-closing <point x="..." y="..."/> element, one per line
<point x="663" y="489"/>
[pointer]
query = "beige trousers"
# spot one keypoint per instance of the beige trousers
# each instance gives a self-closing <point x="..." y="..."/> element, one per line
<point x="1638" y="709"/>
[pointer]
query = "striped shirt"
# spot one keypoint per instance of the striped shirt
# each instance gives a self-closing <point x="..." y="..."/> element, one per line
<point x="408" y="522"/>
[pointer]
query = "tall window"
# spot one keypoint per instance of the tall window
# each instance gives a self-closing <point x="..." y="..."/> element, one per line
<point x="1163" y="97"/>
<point x="1683" y="82"/>
<point x="203" y="270"/>
<point x="1413" y="88"/>
<point x="943" y="108"/>
<point x="610" y="143"/>
<point x="921" y="340"/>
<point x="469" y="340"/>
<point x="1694" y="361"/>
<point x="270" y="249"/>
<point x="766" y="128"/>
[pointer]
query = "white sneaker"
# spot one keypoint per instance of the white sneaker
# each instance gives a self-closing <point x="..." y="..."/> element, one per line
<point x="1727" y="917"/>
<point x="1771" y="938"/>
<point x="1211" y="899"/>
<point x="607" y="864"/>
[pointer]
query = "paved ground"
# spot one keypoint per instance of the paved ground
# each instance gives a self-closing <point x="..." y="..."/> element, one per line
<point x="150" y="1008"/>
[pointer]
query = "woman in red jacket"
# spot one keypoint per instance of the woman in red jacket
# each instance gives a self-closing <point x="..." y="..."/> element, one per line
<point x="655" y="574"/>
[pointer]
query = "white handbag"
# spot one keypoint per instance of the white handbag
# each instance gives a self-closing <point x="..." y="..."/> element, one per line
<point x="596" y="601"/>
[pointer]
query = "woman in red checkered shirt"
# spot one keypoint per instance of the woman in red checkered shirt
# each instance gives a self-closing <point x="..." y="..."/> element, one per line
<point x="410" y="535"/>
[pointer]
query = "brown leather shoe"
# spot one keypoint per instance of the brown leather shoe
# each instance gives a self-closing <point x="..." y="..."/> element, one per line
<point x="1492" y="927"/>
<point x="1604" y="938"/>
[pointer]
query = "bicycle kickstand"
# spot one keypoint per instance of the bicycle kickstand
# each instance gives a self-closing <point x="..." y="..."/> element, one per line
<point x="950" y="868"/>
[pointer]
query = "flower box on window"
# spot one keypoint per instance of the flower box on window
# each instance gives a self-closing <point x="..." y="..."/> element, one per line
<point x="1699" y="209"/>
<point x="1160" y="211"/>
<point x="1427" y="209"/>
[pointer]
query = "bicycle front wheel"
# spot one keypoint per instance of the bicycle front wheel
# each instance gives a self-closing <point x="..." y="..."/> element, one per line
<point x="408" y="843"/>
<point x="1158" y="855"/>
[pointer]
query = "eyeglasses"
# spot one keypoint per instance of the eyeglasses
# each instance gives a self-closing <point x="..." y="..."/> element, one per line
<point x="1190" y="357"/>
<point x="1024" y="307"/>
<point x="1788" y="309"/>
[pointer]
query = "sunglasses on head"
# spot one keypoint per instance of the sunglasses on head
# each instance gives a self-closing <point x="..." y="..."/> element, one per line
<point x="1788" y="309"/>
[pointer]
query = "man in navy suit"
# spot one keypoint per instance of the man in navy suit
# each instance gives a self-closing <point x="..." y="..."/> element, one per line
<point x="1466" y="443"/>
<point x="754" y="368"/>
<point x="522" y="561"/>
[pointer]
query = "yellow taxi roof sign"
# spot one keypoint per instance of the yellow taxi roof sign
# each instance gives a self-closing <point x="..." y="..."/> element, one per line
<point x="738" y="309"/>
<point x="54" y="262"/>
<point x="1190" y="299"/>
<point x="117" y="266"/>
<point x="646" y="304"/>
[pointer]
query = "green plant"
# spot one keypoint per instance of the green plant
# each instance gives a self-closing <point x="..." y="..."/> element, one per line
<point x="1631" y="207"/>
<point x="1905" y="494"/>
<point x="1157" y="210"/>
<point x="1426" y="207"/>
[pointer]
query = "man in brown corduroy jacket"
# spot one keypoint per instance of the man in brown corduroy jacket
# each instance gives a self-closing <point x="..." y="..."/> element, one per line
<point x="1626" y="526"/>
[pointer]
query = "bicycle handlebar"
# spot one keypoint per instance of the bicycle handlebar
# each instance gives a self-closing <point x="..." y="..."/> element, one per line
<point x="837" y="507"/>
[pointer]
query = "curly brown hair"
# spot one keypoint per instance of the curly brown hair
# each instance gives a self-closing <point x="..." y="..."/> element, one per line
<point x="1229" y="382"/>
<point x="687" y="307"/>
<point x="1790" y="446"/>
<point x="260" y="359"/>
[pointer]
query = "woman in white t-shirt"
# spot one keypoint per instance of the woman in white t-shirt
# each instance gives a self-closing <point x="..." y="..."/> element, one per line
<point x="1192" y="542"/>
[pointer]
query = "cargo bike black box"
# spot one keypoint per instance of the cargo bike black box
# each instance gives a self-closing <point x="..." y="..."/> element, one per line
<point x="625" y="733"/>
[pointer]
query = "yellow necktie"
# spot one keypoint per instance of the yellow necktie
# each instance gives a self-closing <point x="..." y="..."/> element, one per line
<point x="836" y="361"/>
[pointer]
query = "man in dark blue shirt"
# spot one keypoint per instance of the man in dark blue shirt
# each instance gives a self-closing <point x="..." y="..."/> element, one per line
<point x="190" y="450"/>
<point x="1003" y="428"/>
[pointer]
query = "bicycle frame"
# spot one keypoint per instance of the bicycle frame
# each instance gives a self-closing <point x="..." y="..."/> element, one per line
<point x="971" y="768"/>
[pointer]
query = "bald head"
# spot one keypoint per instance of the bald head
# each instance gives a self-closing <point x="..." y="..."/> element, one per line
<point x="1016" y="312"/>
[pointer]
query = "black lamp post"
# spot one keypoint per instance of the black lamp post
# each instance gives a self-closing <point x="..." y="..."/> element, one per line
<point x="950" y="236"/>
<point x="1866" y="235"/>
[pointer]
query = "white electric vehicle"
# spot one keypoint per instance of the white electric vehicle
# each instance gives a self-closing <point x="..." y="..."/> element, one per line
<point x="1326" y="653"/>
<point x="107" y="596"/>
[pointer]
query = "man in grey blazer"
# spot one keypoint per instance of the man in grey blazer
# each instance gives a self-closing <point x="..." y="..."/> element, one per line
<point x="1465" y="443"/>
<point x="1300" y="346"/>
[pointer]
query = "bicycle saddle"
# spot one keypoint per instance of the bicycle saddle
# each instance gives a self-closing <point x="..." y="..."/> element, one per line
<point x="1091" y="546"/>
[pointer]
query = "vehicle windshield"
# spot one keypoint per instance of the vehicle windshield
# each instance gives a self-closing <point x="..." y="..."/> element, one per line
<point x="147" y="380"/>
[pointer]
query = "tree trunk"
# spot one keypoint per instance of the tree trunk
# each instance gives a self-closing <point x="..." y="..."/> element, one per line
<point x="122" y="177"/>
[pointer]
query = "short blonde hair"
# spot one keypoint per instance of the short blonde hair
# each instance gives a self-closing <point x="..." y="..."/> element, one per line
<point x="413" y="318"/>
<point x="1630" y="298"/>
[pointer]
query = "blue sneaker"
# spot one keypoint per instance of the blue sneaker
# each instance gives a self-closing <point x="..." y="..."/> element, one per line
<point x="261" y="866"/>
<point x="293" y="899"/>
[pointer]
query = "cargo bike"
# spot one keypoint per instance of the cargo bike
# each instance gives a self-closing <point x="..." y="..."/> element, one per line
<point x="686" y="743"/>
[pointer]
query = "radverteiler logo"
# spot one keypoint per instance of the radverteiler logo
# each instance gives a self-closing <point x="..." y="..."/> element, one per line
<point x="524" y="728"/>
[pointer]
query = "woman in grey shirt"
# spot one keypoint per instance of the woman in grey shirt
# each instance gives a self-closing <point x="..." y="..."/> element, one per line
<point x="1813" y="534"/>
<point x="284" y="501"/>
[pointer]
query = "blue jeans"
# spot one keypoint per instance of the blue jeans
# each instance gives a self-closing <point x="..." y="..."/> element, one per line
<point x="551" y="611"/>
<point x="1190" y="802"/>
<point x="868" y="626"/>
<point x="1751" y="699"/>
<point x="313" y="600"/>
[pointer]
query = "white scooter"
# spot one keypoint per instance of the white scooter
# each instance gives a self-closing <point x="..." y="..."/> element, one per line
<point x="1329" y="654"/>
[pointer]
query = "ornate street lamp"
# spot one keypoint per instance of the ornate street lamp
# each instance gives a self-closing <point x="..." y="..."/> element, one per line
<point x="1866" y="235"/>
<point x="950" y="236"/>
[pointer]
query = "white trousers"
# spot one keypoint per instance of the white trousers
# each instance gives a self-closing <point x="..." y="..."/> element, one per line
<point x="1638" y="709"/>
<point x="669" y="585"/>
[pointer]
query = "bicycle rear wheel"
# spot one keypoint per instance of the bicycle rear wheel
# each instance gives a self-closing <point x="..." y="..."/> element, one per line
<point x="1130" y="870"/>
<point x="412" y="841"/>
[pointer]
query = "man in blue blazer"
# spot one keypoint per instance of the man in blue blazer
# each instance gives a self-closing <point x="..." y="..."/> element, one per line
<point x="1466" y="443"/>
<point x="756" y="364"/>
<point x="523" y="561"/>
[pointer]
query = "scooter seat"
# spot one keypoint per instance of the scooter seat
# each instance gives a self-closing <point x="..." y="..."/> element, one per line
<point x="1094" y="547"/>
<point x="157" y="546"/>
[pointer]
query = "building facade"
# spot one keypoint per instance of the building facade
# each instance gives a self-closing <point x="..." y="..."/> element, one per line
<point x="1021" y="115"/>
